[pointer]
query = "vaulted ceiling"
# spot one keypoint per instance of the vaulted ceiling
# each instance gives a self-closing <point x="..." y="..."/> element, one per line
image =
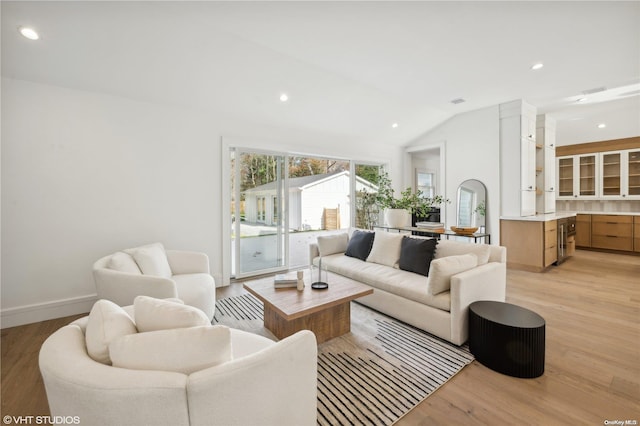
<point x="349" y="68"/>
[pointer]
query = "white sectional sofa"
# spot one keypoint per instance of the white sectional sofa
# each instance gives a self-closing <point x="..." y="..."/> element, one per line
<point x="437" y="303"/>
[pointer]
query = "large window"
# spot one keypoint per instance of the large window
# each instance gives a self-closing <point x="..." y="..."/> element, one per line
<point x="280" y="203"/>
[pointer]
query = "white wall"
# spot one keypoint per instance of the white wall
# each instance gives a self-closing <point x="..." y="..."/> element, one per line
<point x="86" y="174"/>
<point x="472" y="151"/>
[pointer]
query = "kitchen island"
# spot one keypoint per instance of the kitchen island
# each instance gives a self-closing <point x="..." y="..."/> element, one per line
<point x="534" y="243"/>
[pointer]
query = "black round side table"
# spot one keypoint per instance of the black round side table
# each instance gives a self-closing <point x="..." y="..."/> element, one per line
<point x="507" y="338"/>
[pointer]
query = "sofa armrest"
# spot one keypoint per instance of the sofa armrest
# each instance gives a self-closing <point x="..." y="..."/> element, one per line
<point x="121" y="287"/>
<point x="187" y="262"/>
<point x="485" y="282"/>
<point x="274" y="386"/>
<point x="314" y="252"/>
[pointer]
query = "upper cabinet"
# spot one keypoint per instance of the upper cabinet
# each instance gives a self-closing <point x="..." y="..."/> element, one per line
<point x="610" y="175"/>
<point x="577" y="177"/>
<point x="545" y="164"/>
<point x="518" y="158"/>
<point x="620" y="171"/>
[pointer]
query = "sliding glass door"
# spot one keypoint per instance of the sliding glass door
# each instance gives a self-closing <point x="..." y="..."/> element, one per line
<point x="280" y="203"/>
<point x="259" y="232"/>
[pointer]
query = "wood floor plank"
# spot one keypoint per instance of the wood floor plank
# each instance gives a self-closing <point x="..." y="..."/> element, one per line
<point x="591" y="304"/>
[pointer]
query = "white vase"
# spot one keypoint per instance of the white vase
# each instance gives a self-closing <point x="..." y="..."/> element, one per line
<point x="397" y="218"/>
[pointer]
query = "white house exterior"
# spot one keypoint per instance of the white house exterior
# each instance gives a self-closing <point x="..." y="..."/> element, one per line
<point x="309" y="196"/>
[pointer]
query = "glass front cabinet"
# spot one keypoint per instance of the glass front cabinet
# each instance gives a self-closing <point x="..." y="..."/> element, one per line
<point x="611" y="175"/>
<point x="577" y="176"/>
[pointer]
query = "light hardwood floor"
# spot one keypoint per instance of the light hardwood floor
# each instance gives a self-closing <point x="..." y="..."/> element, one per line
<point x="591" y="304"/>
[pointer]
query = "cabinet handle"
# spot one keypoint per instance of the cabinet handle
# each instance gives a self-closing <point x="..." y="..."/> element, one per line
<point x="551" y="189"/>
<point x="530" y="187"/>
<point x="551" y="145"/>
<point x="612" y="236"/>
<point x="624" y="195"/>
<point x="576" y="196"/>
<point x="611" y="223"/>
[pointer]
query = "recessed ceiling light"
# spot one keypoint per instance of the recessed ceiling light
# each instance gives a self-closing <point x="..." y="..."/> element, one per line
<point x="582" y="100"/>
<point x="284" y="97"/>
<point x="457" y="101"/>
<point x="29" y="33"/>
<point x="537" y="66"/>
<point x="601" y="126"/>
<point x="394" y="125"/>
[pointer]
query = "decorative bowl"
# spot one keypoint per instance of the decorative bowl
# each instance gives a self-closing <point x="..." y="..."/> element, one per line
<point x="464" y="230"/>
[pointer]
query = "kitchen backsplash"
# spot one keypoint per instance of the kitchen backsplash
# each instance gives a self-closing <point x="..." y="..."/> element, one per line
<point x="598" y="206"/>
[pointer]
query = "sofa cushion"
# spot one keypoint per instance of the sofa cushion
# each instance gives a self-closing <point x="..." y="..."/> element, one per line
<point x="442" y="269"/>
<point x="332" y="244"/>
<point x="123" y="262"/>
<point x="386" y="248"/>
<point x="182" y="350"/>
<point x="107" y="322"/>
<point x="360" y="244"/>
<point x="455" y="248"/>
<point x="416" y="254"/>
<point x="151" y="259"/>
<point x="396" y="281"/>
<point x="158" y="314"/>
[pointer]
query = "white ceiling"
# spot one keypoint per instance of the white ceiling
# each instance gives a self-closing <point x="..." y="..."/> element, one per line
<point x="350" y="68"/>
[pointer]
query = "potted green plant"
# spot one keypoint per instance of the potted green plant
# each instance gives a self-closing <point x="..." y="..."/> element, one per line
<point x="398" y="210"/>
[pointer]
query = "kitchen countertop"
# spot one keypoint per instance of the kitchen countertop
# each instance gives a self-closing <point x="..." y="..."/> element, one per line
<point x="612" y="213"/>
<point x="540" y="217"/>
<point x="562" y="215"/>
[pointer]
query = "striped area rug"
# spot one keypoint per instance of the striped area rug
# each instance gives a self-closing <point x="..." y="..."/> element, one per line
<point x="371" y="376"/>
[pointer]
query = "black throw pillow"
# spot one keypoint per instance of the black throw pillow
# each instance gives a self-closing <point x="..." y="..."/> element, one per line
<point x="360" y="245"/>
<point x="416" y="255"/>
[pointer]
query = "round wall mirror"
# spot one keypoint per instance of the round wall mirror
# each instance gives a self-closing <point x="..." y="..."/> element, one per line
<point x="472" y="204"/>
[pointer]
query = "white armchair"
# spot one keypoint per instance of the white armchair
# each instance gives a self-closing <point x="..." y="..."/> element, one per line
<point x="264" y="383"/>
<point x="153" y="271"/>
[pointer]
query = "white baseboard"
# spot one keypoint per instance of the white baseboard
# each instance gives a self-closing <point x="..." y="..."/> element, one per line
<point x="28" y="314"/>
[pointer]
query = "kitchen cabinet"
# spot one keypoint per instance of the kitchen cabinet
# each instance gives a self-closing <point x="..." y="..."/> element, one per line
<point x="550" y="242"/>
<point x="620" y="171"/>
<point x="518" y="158"/>
<point x="608" y="175"/>
<point x="613" y="232"/>
<point x="636" y="233"/>
<point x="583" y="230"/>
<point x="532" y="245"/>
<point x="577" y="176"/>
<point x="545" y="164"/>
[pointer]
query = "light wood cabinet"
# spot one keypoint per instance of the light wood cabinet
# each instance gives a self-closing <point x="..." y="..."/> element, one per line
<point x="613" y="232"/>
<point x="550" y="242"/>
<point x="583" y="230"/>
<point x="531" y="245"/>
<point x="636" y="233"/>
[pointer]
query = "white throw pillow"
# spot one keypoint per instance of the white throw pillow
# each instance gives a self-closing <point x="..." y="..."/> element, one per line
<point x="123" y="262"/>
<point x="151" y="259"/>
<point x="184" y="350"/>
<point x="386" y="248"/>
<point x="332" y="244"/>
<point x="441" y="271"/>
<point x="107" y="322"/>
<point x="158" y="314"/>
<point x="456" y="248"/>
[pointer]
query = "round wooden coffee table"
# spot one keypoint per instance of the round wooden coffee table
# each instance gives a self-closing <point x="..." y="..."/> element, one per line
<point x="507" y="338"/>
